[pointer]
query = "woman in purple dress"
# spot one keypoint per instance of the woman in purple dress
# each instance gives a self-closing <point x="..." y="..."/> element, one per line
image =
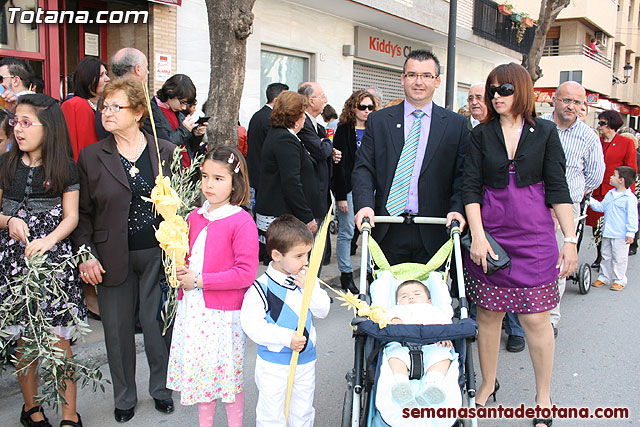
<point x="515" y="171"/>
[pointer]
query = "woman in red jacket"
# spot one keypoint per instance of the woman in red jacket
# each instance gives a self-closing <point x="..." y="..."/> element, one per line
<point x="618" y="151"/>
<point x="80" y="110"/>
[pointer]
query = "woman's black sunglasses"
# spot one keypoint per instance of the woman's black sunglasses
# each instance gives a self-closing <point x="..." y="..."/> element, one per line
<point x="363" y="107"/>
<point x="602" y="123"/>
<point x="505" y="89"/>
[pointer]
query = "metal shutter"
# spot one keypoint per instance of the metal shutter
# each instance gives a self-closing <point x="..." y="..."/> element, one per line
<point x="388" y="81"/>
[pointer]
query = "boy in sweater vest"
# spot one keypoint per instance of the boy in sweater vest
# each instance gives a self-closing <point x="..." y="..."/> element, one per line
<point x="269" y="316"/>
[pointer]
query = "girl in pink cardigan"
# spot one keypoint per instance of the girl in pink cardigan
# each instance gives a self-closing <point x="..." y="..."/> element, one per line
<point x="207" y="348"/>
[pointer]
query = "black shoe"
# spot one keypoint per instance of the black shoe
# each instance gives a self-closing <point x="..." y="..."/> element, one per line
<point x="123" y="415"/>
<point x="346" y="282"/>
<point x="496" y="387"/>
<point x="164" y="405"/>
<point x="72" y="423"/>
<point x="596" y="265"/>
<point x="555" y="331"/>
<point x="515" y="344"/>
<point x="354" y="248"/>
<point x="632" y="251"/>
<point x="25" y="418"/>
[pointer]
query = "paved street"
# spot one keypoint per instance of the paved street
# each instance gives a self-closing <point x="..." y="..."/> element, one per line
<point x="595" y="365"/>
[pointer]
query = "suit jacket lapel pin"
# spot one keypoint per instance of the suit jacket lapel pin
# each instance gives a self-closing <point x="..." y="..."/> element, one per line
<point x="531" y="130"/>
<point x="398" y="125"/>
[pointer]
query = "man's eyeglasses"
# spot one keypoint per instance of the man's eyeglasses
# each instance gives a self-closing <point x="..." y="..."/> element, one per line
<point x="478" y="98"/>
<point x="412" y="77"/>
<point x="505" y="89"/>
<point x="576" y="102"/>
<point x="113" y="107"/>
<point x="4" y="77"/>
<point x="363" y="107"/>
<point x="24" y="124"/>
<point x="184" y="102"/>
<point x="602" y="123"/>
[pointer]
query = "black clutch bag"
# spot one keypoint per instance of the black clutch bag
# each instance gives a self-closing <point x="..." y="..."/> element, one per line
<point x="493" y="265"/>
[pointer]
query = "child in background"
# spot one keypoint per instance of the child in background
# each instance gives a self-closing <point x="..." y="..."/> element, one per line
<point x="40" y="190"/>
<point x="270" y="318"/>
<point x="413" y="306"/>
<point x="620" y="207"/>
<point x="207" y="348"/>
<point x="6" y="132"/>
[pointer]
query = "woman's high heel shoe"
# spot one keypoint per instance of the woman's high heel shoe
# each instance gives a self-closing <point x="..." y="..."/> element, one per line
<point x="496" y="387"/>
<point x="546" y="421"/>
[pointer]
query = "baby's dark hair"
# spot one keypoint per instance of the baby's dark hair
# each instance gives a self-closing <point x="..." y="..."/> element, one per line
<point x="412" y="282"/>
<point x="237" y="165"/>
<point x="286" y="232"/>
<point x="628" y="174"/>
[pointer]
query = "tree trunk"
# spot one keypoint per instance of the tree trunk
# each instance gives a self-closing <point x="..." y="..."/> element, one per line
<point x="549" y="11"/>
<point x="230" y="24"/>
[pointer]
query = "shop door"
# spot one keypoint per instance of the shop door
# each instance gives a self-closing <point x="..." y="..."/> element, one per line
<point x="81" y="40"/>
<point x="387" y="80"/>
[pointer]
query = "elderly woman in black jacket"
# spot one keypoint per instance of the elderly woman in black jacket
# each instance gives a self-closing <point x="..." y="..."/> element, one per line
<point x="169" y="107"/>
<point x="287" y="178"/>
<point x="347" y="138"/>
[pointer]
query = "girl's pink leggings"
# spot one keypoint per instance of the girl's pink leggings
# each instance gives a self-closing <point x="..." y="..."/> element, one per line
<point x="235" y="410"/>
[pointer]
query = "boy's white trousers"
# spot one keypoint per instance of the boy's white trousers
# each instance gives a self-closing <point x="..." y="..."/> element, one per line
<point x="271" y="380"/>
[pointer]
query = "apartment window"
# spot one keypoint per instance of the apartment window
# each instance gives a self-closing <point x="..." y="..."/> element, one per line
<point x="630" y="16"/>
<point x="551" y="47"/>
<point x="575" y="75"/>
<point x="284" y="66"/>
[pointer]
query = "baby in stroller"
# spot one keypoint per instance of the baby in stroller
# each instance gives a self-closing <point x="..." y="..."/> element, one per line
<point x="413" y="306"/>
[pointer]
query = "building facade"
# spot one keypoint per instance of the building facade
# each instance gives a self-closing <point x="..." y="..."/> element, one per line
<point x="348" y="45"/>
<point x="54" y="35"/>
<point x="615" y="24"/>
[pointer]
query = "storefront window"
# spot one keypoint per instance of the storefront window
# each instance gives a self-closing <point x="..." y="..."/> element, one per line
<point x="17" y="36"/>
<point x="284" y="68"/>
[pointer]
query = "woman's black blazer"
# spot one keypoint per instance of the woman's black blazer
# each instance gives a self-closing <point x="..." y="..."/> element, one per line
<point x="539" y="157"/>
<point x="287" y="178"/>
<point x="345" y="141"/>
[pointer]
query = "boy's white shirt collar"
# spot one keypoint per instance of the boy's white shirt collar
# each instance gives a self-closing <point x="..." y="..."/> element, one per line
<point x="218" y="213"/>
<point x="279" y="277"/>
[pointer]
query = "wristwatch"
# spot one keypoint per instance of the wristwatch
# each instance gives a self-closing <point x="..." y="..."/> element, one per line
<point x="195" y="280"/>
<point x="573" y="240"/>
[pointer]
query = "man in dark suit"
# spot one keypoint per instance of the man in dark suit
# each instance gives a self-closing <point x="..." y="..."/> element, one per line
<point x="477" y="107"/>
<point x="259" y="125"/>
<point x="314" y="137"/>
<point x="436" y="167"/>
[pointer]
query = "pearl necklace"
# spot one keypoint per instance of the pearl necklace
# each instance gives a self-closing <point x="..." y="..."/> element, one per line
<point x="133" y="170"/>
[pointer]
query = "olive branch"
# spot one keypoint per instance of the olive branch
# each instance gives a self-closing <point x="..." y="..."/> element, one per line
<point x="29" y="293"/>
<point x="182" y="181"/>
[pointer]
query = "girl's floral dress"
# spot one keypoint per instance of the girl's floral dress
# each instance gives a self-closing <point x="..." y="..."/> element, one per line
<point x="207" y="348"/>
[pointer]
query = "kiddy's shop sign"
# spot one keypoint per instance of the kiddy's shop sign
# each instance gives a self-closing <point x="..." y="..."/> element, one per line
<point x="383" y="47"/>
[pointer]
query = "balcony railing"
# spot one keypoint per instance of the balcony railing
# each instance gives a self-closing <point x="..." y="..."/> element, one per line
<point x="578" y="49"/>
<point x="490" y="24"/>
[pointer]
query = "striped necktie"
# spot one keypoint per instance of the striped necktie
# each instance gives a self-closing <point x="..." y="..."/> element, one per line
<point x="399" y="191"/>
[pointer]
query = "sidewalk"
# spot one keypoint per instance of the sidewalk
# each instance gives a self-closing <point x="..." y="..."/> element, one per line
<point x="97" y="409"/>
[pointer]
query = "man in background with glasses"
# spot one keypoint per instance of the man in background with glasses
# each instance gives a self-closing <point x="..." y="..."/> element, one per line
<point x="583" y="152"/>
<point x="411" y="163"/>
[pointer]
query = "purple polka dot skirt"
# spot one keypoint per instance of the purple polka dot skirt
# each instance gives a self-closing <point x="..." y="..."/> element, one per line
<point x="517" y="300"/>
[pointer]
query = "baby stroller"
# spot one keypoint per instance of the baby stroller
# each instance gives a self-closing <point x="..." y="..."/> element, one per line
<point x="360" y="404"/>
<point x="582" y="276"/>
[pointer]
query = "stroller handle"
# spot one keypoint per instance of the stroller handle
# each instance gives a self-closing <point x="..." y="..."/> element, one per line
<point x="409" y="219"/>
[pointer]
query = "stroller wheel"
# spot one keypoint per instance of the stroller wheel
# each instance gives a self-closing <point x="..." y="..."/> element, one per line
<point x="584" y="279"/>
<point x="347" y="406"/>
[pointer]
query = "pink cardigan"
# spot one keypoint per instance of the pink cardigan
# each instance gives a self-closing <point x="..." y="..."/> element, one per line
<point x="230" y="258"/>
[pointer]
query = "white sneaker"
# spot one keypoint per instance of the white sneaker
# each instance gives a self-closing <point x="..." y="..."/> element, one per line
<point x="402" y="394"/>
<point x="431" y="394"/>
